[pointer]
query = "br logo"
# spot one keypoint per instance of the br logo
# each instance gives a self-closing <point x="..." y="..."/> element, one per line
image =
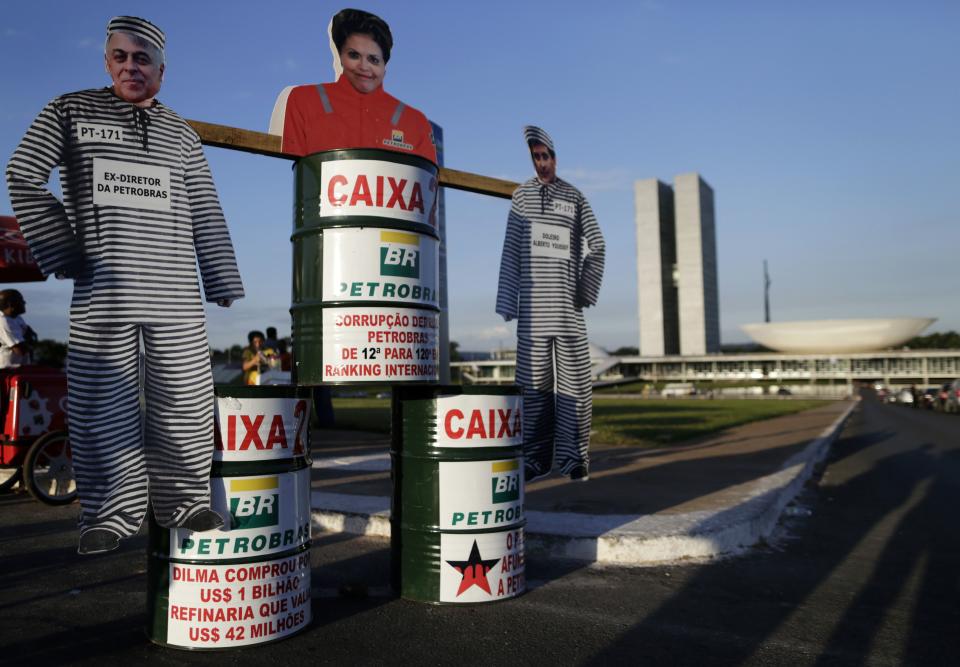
<point x="254" y="503"/>
<point x="506" y="481"/>
<point x="399" y="254"/>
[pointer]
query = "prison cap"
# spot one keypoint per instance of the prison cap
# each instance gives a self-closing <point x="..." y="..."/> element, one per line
<point x="134" y="25"/>
<point x="535" y="135"/>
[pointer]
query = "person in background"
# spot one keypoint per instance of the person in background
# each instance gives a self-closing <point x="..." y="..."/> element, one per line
<point x="270" y="342"/>
<point x="255" y="360"/>
<point x="16" y="337"/>
<point x="139" y="213"/>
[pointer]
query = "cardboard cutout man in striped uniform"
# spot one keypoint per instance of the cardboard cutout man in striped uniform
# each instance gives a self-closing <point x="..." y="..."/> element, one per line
<point x="551" y="269"/>
<point x="139" y="212"/>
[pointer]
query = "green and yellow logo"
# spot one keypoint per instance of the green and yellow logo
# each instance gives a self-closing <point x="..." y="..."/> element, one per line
<point x="506" y="481"/>
<point x="399" y="254"/>
<point x="252" y="505"/>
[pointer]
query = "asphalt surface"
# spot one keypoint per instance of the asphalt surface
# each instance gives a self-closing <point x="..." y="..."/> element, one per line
<point x="862" y="572"/>
<point x="702" y="474"/>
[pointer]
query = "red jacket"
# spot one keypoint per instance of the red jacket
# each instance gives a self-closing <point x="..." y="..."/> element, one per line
<point x="329" y="116"/>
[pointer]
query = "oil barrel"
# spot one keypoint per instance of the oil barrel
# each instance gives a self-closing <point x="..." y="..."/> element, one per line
<point x="248" y="582"/>
<point x="457" y="511"/>
<point x="366" y="286"/>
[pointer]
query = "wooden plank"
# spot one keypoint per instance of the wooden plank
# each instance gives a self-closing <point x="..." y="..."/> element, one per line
<point x="234" y="138"/>
<point x="261" y="143"/>
<point x="484" y="185"/>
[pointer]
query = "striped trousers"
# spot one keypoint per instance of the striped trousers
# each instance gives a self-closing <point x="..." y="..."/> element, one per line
<point x="122" y="457"/>
<point x="557" y="401"/>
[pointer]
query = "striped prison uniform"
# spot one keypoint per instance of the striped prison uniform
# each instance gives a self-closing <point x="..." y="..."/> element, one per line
<point x="551" y="268"/>
<point x="139" y="212"/>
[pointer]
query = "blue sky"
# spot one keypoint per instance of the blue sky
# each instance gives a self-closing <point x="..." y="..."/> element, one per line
<point x="828" y="131"/>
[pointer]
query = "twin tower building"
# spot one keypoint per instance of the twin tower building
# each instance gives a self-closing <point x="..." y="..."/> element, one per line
<point x="677" y="267"/>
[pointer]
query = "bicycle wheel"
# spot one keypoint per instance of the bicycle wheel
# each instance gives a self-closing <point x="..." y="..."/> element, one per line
<point x="48" y="471"/>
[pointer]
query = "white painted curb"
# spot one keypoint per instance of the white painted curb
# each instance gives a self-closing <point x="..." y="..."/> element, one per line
<point x="623" y="539"/>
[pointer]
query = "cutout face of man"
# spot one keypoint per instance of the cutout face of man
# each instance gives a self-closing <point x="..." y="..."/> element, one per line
<point x="544" y="163"/>
<point x="362" y="61"/>
<point x="135" y="74"/>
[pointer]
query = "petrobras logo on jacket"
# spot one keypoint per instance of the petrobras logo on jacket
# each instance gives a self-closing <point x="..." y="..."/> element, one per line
<point x="378" y="188"/>
<point x="396" y="141"/>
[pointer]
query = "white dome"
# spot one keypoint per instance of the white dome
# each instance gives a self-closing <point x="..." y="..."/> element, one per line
<point x="841" y="336"/>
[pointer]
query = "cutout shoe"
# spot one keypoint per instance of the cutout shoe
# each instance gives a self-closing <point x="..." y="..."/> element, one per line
<point x="97" y="541"/>
<point x="204" y="520"/>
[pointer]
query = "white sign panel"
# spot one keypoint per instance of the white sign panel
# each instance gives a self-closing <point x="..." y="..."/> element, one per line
<point x="481" y="567"/>
<point x="480" y="494"/>
<point x="100" y="134"/>
<point x="130" y="185"/>
<point x="479" y="421"/>
<point x="261" y="429"/>
<point x="370" y="264"/>
<point x="549" y="240"/>
<point x="266" y="514"/>
<point x="217" y="606"/>
<point x="380" y="344"/>
<point x="372" y="187"/>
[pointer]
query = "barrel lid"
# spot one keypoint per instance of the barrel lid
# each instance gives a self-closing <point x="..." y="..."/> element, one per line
<point x="366" y="154"/>
<point x="264" y="391"/>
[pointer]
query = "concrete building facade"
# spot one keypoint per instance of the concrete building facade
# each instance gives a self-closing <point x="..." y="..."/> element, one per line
<point x="895" y="368"/>
<point x="677" y="290"/>
<point x="656" y="269"/>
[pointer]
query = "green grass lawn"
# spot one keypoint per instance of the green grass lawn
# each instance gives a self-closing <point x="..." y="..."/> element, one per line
<point x="662" y="422"/>
<point x="617" y="421"/>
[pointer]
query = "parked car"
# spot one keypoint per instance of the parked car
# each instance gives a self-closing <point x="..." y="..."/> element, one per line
<point x="952" y="401"/>
<point x="905" y="396"/>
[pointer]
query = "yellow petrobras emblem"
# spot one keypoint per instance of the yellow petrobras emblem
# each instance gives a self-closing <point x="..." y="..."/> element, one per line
<point x="396" y="140"/>
<point x="480" y="493"/>
<point x="399" y="254"/>
<point x="254" y="502"/>
<point x="506" y="481"/>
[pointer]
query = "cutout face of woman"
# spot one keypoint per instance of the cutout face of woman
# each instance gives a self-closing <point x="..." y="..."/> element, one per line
<point x="362" y="61"/>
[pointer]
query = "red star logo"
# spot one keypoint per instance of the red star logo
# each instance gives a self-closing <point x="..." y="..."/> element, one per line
<point x="474" y="570"/>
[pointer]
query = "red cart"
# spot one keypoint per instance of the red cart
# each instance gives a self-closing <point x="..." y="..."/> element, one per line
<point x="34" y="445"/>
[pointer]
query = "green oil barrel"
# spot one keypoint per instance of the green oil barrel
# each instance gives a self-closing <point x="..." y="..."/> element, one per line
<point x="457" y="512"/>
<point x="249" y="582"/>
<point x="366" y="286"/>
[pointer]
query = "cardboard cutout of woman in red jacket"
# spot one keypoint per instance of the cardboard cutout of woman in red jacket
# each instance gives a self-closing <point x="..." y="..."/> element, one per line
<point x="354" y="111"/>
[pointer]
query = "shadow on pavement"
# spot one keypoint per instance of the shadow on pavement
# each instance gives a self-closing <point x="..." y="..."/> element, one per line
<point x="656" y="487"/>
<point x="733" y="630"/>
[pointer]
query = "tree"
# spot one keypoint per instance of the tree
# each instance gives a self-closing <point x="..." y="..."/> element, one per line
<point x="455" y="351"/>
<point x="949" y="340"/>
<point x="626" y="352"/>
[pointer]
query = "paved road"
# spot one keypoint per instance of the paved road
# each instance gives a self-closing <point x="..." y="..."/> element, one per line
<point x="868" y="578"/>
